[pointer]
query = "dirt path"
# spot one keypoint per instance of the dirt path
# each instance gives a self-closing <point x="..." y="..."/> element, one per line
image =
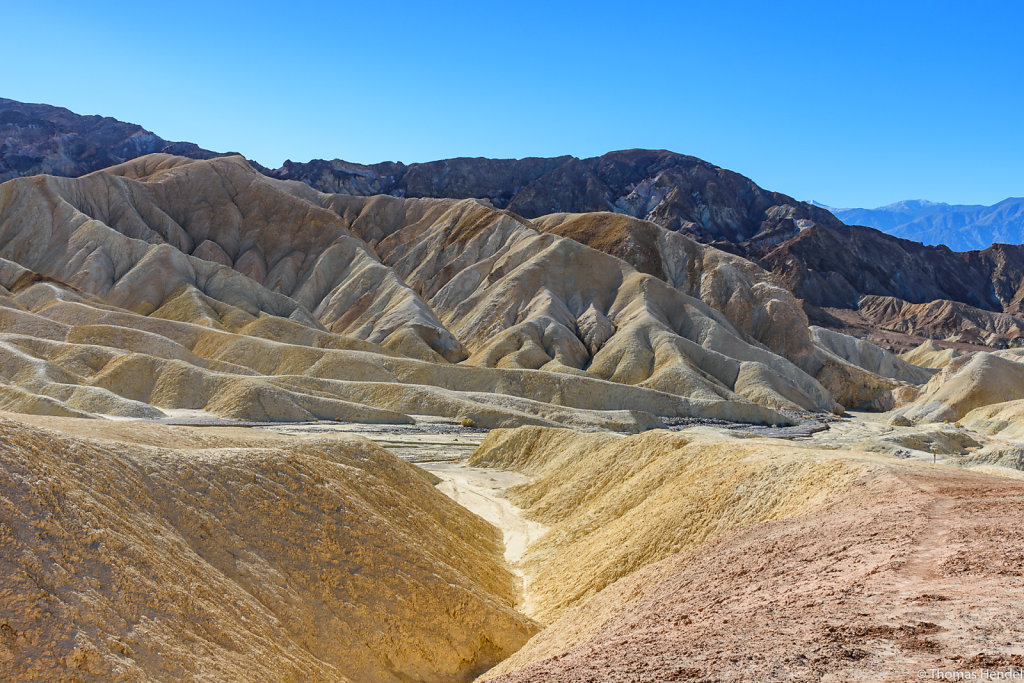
<point x="931" y="545"/>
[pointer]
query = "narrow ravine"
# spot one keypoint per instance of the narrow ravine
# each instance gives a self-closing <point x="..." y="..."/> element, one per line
<point x="441" y="446"/>
<point x="481" y="491"/>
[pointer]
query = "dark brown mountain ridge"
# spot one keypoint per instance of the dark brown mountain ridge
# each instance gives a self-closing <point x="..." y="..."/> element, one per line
<point x="679" y="192"/>
<point x="824" y="262"/>
<point x="39" y="138"/>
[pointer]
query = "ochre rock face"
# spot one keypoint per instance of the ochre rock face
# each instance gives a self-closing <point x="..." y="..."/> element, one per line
<point x="967" y="383"/>
<point x="252" y="558"/>
<point x="930" y="355"/>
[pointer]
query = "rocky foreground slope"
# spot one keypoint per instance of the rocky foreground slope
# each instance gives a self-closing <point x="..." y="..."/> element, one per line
<point x="156" y="553"/>
<point x="688" y="557"/>
<point x="148" y="552"/>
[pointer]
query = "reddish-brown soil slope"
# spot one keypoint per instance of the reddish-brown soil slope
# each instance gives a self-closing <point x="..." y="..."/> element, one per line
<point x="914" y="571"/>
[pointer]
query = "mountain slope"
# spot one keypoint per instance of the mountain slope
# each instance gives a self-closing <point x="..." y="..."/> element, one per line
<point x="166" y="283"/>
<point x="892" y="216"/>
<point x="679" y="192"/>
<point x="960" y="227"/>
<point x="818" y="258"/>
<point x="836" y="266"/>
<point x="38" y="138"/>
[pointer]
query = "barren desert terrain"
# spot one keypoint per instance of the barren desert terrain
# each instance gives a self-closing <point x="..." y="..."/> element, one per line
<point x="624" y="418"/>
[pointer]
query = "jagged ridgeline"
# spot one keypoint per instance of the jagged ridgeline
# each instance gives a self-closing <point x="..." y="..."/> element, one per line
<point x="840" y="272"/>
<point x="168" y="283"/>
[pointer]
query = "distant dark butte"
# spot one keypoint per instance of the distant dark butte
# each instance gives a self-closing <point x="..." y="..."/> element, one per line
<point x="943" y="319"/>
<point x="38" y="138"/>
<point x="681" y="193"/>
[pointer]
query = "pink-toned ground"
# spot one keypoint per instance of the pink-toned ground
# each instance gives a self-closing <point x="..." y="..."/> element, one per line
<point x="907" y="571"/>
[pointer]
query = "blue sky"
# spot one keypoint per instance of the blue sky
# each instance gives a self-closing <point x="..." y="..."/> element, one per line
<point x="847" y="103"/>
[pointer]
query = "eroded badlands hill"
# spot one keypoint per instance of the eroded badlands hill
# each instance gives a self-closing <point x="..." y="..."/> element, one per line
<point x="821" y="260"/>
<point x="169" y="283"/>
<point x="161" y="553"/>
<point x="825" y="263"/>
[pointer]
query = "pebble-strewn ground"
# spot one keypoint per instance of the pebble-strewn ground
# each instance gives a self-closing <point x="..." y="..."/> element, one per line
<point x="917" y="572"/>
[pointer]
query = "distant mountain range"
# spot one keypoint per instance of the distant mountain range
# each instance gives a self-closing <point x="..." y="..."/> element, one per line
<point x="822" y="260"/>
<point x="961" y="227"/>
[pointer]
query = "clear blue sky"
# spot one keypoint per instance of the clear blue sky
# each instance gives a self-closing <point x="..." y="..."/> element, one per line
<point x="848" y="103"/>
